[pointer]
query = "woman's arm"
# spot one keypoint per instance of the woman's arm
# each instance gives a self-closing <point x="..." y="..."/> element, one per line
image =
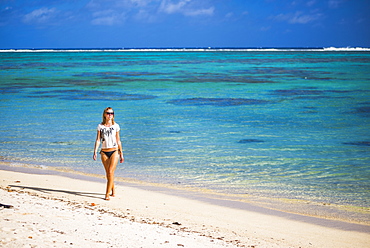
<point x="120" y="148"/>
<point x="97" y="144"/>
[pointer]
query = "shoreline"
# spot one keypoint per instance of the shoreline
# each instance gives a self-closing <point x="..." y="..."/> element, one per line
<point x="294" y="207"/>
<point x="235" y="222"/>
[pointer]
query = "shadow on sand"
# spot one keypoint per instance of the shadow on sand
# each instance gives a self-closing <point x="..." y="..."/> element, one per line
<point x="49" y="191"/>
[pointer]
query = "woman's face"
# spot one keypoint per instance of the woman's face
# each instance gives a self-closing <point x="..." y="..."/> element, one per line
<point x="109" y="114"/>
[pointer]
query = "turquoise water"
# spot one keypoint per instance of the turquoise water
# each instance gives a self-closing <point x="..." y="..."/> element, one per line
<point x="291" y="124"/>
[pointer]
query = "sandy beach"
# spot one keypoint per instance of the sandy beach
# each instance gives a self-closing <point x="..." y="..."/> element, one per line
<point x="49" y="209"/>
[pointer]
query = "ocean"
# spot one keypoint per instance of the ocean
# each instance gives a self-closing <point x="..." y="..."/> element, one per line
<point x="276" y="123"/>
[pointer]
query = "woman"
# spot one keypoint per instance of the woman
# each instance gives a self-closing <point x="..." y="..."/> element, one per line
<point x="111" y="149"/>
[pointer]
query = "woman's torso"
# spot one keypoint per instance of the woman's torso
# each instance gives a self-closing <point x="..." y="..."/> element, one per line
<point x="108" y="135"/>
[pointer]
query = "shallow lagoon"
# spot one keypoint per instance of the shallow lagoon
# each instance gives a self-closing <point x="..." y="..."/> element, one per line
<point x="289" y="124"/>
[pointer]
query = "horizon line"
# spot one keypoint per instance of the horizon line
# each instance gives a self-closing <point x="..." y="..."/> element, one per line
<point x="123" y="49"/>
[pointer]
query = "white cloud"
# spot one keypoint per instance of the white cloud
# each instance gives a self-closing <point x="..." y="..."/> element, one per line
<point x="106" y="20"/>
<point x="300" y="18"/>
<point x="141" y="3"/>
<point x="185" y="7"/>
<point x="42" y="15"/>
<point x="103" y="13"/>
<point x="170" y="8"/>
<point x="265" y="28"/>
<point x="311" y="3"/>
<point x="116" y="12"/>
<point x="335" y="3"/>
<point x="146" y="16"/>
<point x="297" y="17"/>
<point x="198" y="12"/>
<point x="229" y="15"/>
<point x="108" y="17"/>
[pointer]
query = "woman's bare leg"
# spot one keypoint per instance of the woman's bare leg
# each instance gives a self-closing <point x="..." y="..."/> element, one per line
<point x="110" y="165"/>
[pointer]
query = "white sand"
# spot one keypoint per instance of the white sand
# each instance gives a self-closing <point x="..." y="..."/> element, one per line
<point x="57" y="211"/>
<point x="38" y="222"/>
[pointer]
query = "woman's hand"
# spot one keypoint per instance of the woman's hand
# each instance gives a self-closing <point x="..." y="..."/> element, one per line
<point x="121" y="158"/>
<point x="97" y="144"/>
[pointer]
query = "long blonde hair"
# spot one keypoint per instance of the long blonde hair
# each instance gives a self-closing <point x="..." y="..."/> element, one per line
<point x="105" y="119"/>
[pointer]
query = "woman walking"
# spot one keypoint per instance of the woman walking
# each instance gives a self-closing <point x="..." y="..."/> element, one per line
<point x="111" y="149"/>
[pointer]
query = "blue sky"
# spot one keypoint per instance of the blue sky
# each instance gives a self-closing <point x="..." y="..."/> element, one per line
<point x="183" y="23"/>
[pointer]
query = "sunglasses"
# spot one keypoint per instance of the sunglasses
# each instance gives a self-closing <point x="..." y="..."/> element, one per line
<point x="109" y="113"/>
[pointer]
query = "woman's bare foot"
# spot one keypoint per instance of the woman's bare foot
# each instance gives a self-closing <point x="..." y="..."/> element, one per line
<point x="107" y="198"/>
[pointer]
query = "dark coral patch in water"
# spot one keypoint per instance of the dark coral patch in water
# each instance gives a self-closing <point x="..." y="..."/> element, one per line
<point x="297" y="92"/>
<point x="245" y="141"/>
<point x="118" y="75"/>
<point x="9" y="90"/>
<point x="21" y="86"/>
<point x="363" y="110"/>
<point x="80" y="82"/>
<point x="310" y="93"/>
<point x="222" y="102"/>
<point x="91" y="95"/>
<point x="222" y="78"/>
<point x="358" y="143"/>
